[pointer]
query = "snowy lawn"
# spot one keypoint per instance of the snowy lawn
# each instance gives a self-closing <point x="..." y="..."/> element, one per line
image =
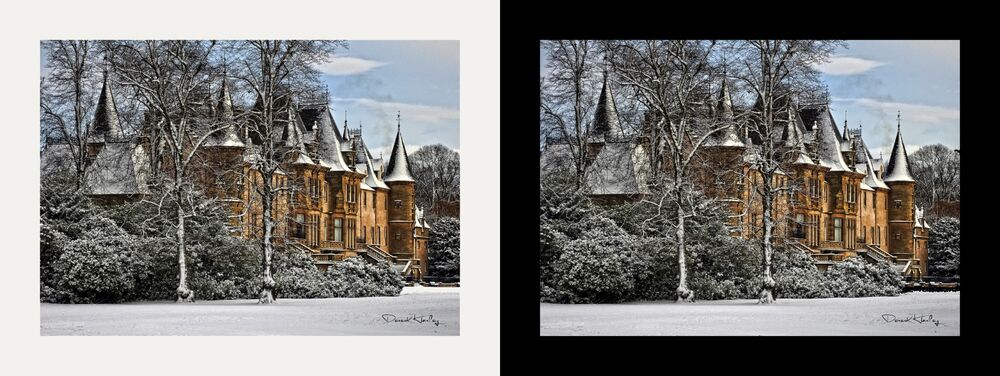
<point x="842" y="316"/>
<point x="408" y="314"/>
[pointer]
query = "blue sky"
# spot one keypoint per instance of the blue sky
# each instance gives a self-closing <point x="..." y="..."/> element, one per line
<point x="372" y="79"/>
<point x="872" y="80"/>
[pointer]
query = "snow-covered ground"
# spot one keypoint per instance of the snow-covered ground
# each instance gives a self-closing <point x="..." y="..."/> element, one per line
<point x="907" y="314"/>
<point x="417" y="311"/>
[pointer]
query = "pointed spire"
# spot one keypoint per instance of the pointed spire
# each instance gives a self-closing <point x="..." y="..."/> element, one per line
<point x="725" y="100"/>
<point x="398" y="168"/>
<point x="897" y="120"/>
<point x="328" y="147"/>
<point x="606" y="120"/>
<point x="726" y="137"/>
<point x="845" y="125"/>
<point x="106" y="123"/>
<point x="346" y="134"/>
<point x="794" y="139"/>
<point x="899" y="164"/>
<point x="226" y="137"/>
<point x="295" y="139"/>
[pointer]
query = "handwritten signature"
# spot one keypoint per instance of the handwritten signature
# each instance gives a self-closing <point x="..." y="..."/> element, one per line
<point x="913" y="318"/>
<point x="388" y="317"/>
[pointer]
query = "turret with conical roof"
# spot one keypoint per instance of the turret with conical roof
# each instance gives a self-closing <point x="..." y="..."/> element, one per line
<point x="606" y="122"/>
<point x="106" y="125"/>
<point x="401" y="199"/>
<point x="227" y="137"/>
<point x="328" y="149"/>
<point x="901" y="198"/>
<point x="726" y="137"/>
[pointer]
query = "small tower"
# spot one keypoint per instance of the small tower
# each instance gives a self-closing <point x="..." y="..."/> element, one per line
<point x="606" y="124"/>
<point x="106" y="125"/>
<point x="901" y="197"/>
<point x="401" y="201"/>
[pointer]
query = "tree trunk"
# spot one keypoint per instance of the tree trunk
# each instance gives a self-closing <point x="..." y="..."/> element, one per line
<point x="766" y="292"/>
<point x="267" y="280"/>
<point x="183" y="293"/>
<point x="683" y="293"/>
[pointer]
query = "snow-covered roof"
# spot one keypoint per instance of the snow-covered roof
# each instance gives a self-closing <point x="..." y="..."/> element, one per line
<point x="371" y="178"/>
<point x="398" y="168"/>
<point x="724" y="138"/>
<point x="226" y="137"/>
<point x="303" y="159"/>
<point x="792" y="138"/>
<point x="619" y="168"/>
<point x="828" y="145"/>
<point x="606" y="120"/>
<point x="328" y="148"/>
<point x="871" y="177"/>
<point x="365" y="187"/>
<point x="899" y="164"/>
<point x="120" y="168"/>
<point x="865" y="187"/>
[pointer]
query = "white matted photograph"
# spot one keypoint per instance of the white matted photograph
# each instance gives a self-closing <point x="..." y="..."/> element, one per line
<point x="215" y="179"/>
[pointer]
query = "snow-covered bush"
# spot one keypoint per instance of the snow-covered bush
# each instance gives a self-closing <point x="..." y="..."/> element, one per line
<point x="443" y="248"/>
<point x="856" y="278"/>
<point x="100" y="267"/>
<point x="654" y="269"/>
<point x="224" y="267"/>
<point x="296" y="276"/>
<point x="596" y="270"/>
<point x="724" y="267"/>
<point x="355" y="278"/>
<point x="943" y="248"/>
<point x="796" y="275"/>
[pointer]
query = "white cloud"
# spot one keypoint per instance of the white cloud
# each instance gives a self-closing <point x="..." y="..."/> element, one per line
<point x="917" y="113"/>
<point x="410" y="112"/>
<point x="347" y="65"/>
<point x="846" y="65"/>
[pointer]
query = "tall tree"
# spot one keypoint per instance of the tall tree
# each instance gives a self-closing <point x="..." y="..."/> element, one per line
<point x="436" y="170"/>
<point x="568" y="96"/>
<point x="67" y="97"/>
<point x="670" y="78"/>
<point x="775" y="70"/>
<point x="936" y="170"/>
<point x="170" y="78"/>
<point x="276" y="71"/>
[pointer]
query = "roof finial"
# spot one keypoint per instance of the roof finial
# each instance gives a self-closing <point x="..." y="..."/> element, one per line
<point x="897" y="120"/>
<point x="845" y="124"/>
<point x="345" y="123"/>
<point x="605" y="66"/>
<point x="397" y="120"/>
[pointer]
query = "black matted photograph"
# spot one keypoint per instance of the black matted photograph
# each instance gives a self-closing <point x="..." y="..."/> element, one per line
<point x="749" y="188"/>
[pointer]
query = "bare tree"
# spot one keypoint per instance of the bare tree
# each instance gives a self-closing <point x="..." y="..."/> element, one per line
<point x="567" y="97"/>
<point x="169" y="79"/>
<point x="775" y="70"/>
<point x="67" y="94"/>
<point x="936" y="169"/>
<point x="436" y="170"/>
<point x="669" y="78"/>
<point x="275" y="70"/>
